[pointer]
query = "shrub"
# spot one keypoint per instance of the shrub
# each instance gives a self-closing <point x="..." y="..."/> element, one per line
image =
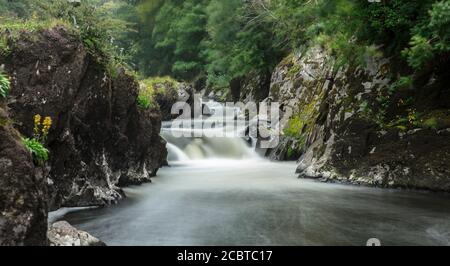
<point x="403" y="83"/>
<point x="4" y="47"/>
<point x="159" y="84"/>
<point x="4" y="85"/>
<point x="146" y="98"/>
<point x="36" y="145"/>
<point x="94" y="22"/>
<point x="37" y="149"/>
<point x="153" y="87"/>
<point x="431" y="38"/>
<point x="144" y="101"/>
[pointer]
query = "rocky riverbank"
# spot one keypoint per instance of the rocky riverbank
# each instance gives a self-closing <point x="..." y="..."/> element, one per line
<point x="99" y="140"/>
<point x="362" y="125"/>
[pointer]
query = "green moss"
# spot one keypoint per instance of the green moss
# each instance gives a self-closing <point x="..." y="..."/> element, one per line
<point x="4" y="47"/>
<point x="294" y="128"/>
<point x="431" y="123"/>
<point x="294" y="70"/>
<point x="152" y="87"/>
<point x="146" y="102"/>
<point x="11" y="30"/>
<point x="287" y="61"/>
<point x="436" y="119"/>
<point x="101" y="50"/>
<point x="290" y="152"/>
<point x="300" y="125"/>
<point x="159" y="84"/>
<point x="4" y="122"/>
<point x="98" y="46"/>
<point x="17" y="25"/>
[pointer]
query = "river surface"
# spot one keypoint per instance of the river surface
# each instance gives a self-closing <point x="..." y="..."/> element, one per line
<point x="219" y="192"/>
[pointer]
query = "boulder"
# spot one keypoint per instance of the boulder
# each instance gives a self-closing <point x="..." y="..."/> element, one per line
<point x="63" y="234"/>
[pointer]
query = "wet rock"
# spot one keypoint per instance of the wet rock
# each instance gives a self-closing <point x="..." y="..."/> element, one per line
<point x="254" y="88"/>
<point x="63" y="234"/>
<point x="288" y="149"/>
<point x="169" y="94"/>
<point x="99" y="138"/>
<point x="338" y="143"/>
<point x="23" y="207"/>
<point x="179" y="92"/>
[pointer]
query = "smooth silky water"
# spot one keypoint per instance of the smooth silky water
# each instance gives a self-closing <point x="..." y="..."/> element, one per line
<point x="219" y="192"/>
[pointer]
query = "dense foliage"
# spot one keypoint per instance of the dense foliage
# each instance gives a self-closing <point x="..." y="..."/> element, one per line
<point x="224" y="40"/>
<point x="153" y="88"/>
<point x="105" y="27"/>
<point x="228" y="39"/>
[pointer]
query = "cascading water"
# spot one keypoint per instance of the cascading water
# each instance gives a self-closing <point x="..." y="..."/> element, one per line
<point x="195" y="145"/>
<point x="175" y="153"/>
<point x="221" y="193"/>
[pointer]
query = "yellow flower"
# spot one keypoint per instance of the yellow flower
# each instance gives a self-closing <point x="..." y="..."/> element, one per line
<point x="37" y="120"/>
<point x="37" y="125"/>
<point x="47" y="124"/>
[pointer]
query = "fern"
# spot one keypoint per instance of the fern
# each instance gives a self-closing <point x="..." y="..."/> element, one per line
<point x="4" y="85"/>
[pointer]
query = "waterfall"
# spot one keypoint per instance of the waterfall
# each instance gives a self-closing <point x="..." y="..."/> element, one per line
<point x="207" y="148"/>
<point x="175" y="153"/>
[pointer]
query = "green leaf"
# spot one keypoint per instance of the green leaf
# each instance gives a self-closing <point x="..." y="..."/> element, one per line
<point x="4" y="85"/>
<point x="37" y="149"/>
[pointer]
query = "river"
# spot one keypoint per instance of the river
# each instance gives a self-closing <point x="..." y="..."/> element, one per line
<point x="217" y="191"/>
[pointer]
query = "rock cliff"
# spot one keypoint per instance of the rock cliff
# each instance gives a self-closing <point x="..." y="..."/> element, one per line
<point x="23" y="206"/>
<point x="100" y="140"/>
<point x="361" y="124"/>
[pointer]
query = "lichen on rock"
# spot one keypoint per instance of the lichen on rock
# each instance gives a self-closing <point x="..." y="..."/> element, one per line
<point x="337" y="140"/>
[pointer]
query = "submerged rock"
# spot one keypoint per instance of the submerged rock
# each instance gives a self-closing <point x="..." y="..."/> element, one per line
<point x="63" y="234"/>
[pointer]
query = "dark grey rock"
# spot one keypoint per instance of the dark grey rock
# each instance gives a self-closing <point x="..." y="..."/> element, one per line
<point x="23" y="206"/>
